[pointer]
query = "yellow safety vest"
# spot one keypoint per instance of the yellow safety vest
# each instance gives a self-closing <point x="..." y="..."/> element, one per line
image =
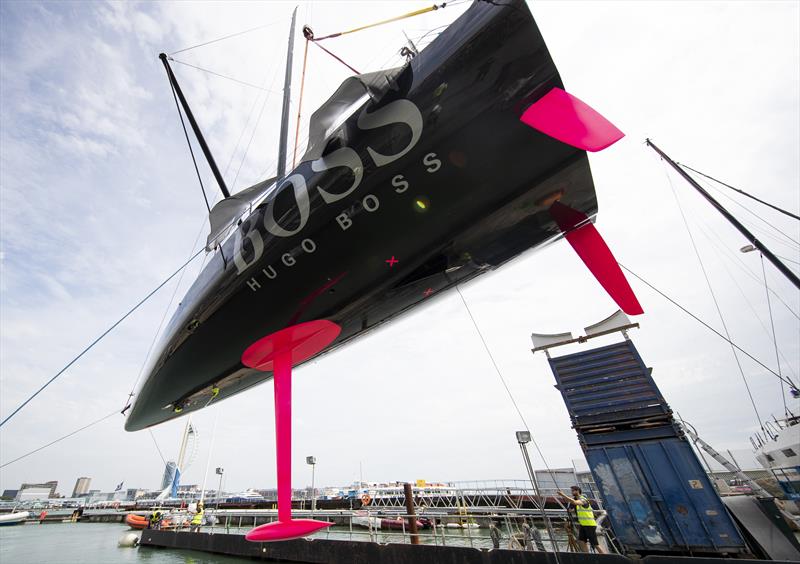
<point x="585" y="513"/>
<point x="198" y="518"/>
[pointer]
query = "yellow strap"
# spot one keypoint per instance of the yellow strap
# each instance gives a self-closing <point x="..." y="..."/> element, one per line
<point x="390" y="20"/>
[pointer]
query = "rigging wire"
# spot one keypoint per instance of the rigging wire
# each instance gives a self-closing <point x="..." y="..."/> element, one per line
<point x="34" y="451"/>
<point x="228" y="36"/>
<point x="714" y="299"/>
<point x="508" y="390"/>
<point x="97" y="340"/>
<point x="250" y="84"/>
<point x="743" y="295"/>
<point x="255" y="128"/>
<point x="751" y="212"/>
<point x="790" y="214"/>
<point x="241" y="135"/>
<point x="720" y="245"/>
<point x="186" y="134"/>
<point x="163" y="318"/>
<point x="788" y="381"/>
<point x="774" y="338"/>
<point x="152" y="436"/>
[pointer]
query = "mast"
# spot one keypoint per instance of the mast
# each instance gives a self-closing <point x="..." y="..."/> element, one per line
<point x="287" y="88"/>
<point x="727" y="215"/>
<point x="196" y="128"/>
<point x="184" y="442"/>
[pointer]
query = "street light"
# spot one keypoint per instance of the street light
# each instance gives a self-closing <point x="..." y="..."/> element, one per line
<point x="748" y="249"/>
<point x="523" y="438"/>
<point x="313" y="463"/>
<point x="220" y="472"/>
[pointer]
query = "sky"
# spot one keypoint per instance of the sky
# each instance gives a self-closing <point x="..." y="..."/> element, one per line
<point x="99" y="203"/>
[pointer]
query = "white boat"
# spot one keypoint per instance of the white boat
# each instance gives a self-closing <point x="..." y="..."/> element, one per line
<point x="14" y="518"/>
<point x="778" y="450"/>
<point x="463" y="525"/>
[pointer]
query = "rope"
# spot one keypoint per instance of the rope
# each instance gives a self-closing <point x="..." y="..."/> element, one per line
<point x="382" y="22"/>
<point x="97" y="340"/>
<point x="309" y="34"/>
<point x="250" y="84"/>
<point x="188" y="142"/>
<point x="714" y="299"/>
<point x="707" y="326"/>
<point x="790" y="214"/>
<point x="93" y="423"/>
<point x="300" y="100"/>
<point x="335" y="57"/>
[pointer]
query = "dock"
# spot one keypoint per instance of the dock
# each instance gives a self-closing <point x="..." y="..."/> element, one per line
<point x="349" y="552"/>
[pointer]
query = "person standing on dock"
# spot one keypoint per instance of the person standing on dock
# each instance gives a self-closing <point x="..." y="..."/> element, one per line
<point x="197" y="520"/>
<point x="495" y="534"/>
<point x="586" y="524"/>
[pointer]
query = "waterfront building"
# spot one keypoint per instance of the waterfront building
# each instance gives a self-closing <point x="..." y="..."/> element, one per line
<point x="44" y="490"/>
<point x="9" y="494"/>
<point x="81" y="486"/>
<point x="132" y="494"/>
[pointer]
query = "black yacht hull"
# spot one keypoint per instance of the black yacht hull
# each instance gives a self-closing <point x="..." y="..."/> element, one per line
<point x="426" y="185"/>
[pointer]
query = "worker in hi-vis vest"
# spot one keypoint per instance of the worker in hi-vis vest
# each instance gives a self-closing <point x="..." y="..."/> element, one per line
<point x="197" y="519"/>
<point x="587" y="526"/>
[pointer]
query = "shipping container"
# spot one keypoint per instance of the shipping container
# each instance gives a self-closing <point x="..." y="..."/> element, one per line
<point x="609" y="386"/>
<point x="659" y="499"/>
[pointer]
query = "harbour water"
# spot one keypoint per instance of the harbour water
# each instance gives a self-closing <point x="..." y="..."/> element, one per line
<point x="96" y="543"/>
<point x="68" y="543"/>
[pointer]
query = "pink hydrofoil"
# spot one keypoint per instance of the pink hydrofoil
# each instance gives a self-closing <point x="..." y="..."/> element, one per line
<point x="562" y="116"/>
<point x="278" y="352"/>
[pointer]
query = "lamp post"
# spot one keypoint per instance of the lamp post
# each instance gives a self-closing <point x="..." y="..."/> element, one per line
<point x="310" y="460"/>
<point x="220" y="472"/>
<point x="523" y="438"/>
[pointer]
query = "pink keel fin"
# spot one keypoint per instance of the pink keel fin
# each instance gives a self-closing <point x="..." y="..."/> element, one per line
<point x="562" y="116"/>
<point x="279" y="352"/>
<point x="595" y="254"/>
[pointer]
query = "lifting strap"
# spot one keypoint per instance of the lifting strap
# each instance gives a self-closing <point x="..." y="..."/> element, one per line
<point x="404" y="16"/>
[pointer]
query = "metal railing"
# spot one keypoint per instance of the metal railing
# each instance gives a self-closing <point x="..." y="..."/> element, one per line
<point x="515" y="529"/>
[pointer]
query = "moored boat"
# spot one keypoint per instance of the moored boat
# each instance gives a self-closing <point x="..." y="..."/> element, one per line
<point x="363" y="519"/>
<point x="135" y="521"/>
<point x="138" y="522"/>
<point x="14" y="518"/>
